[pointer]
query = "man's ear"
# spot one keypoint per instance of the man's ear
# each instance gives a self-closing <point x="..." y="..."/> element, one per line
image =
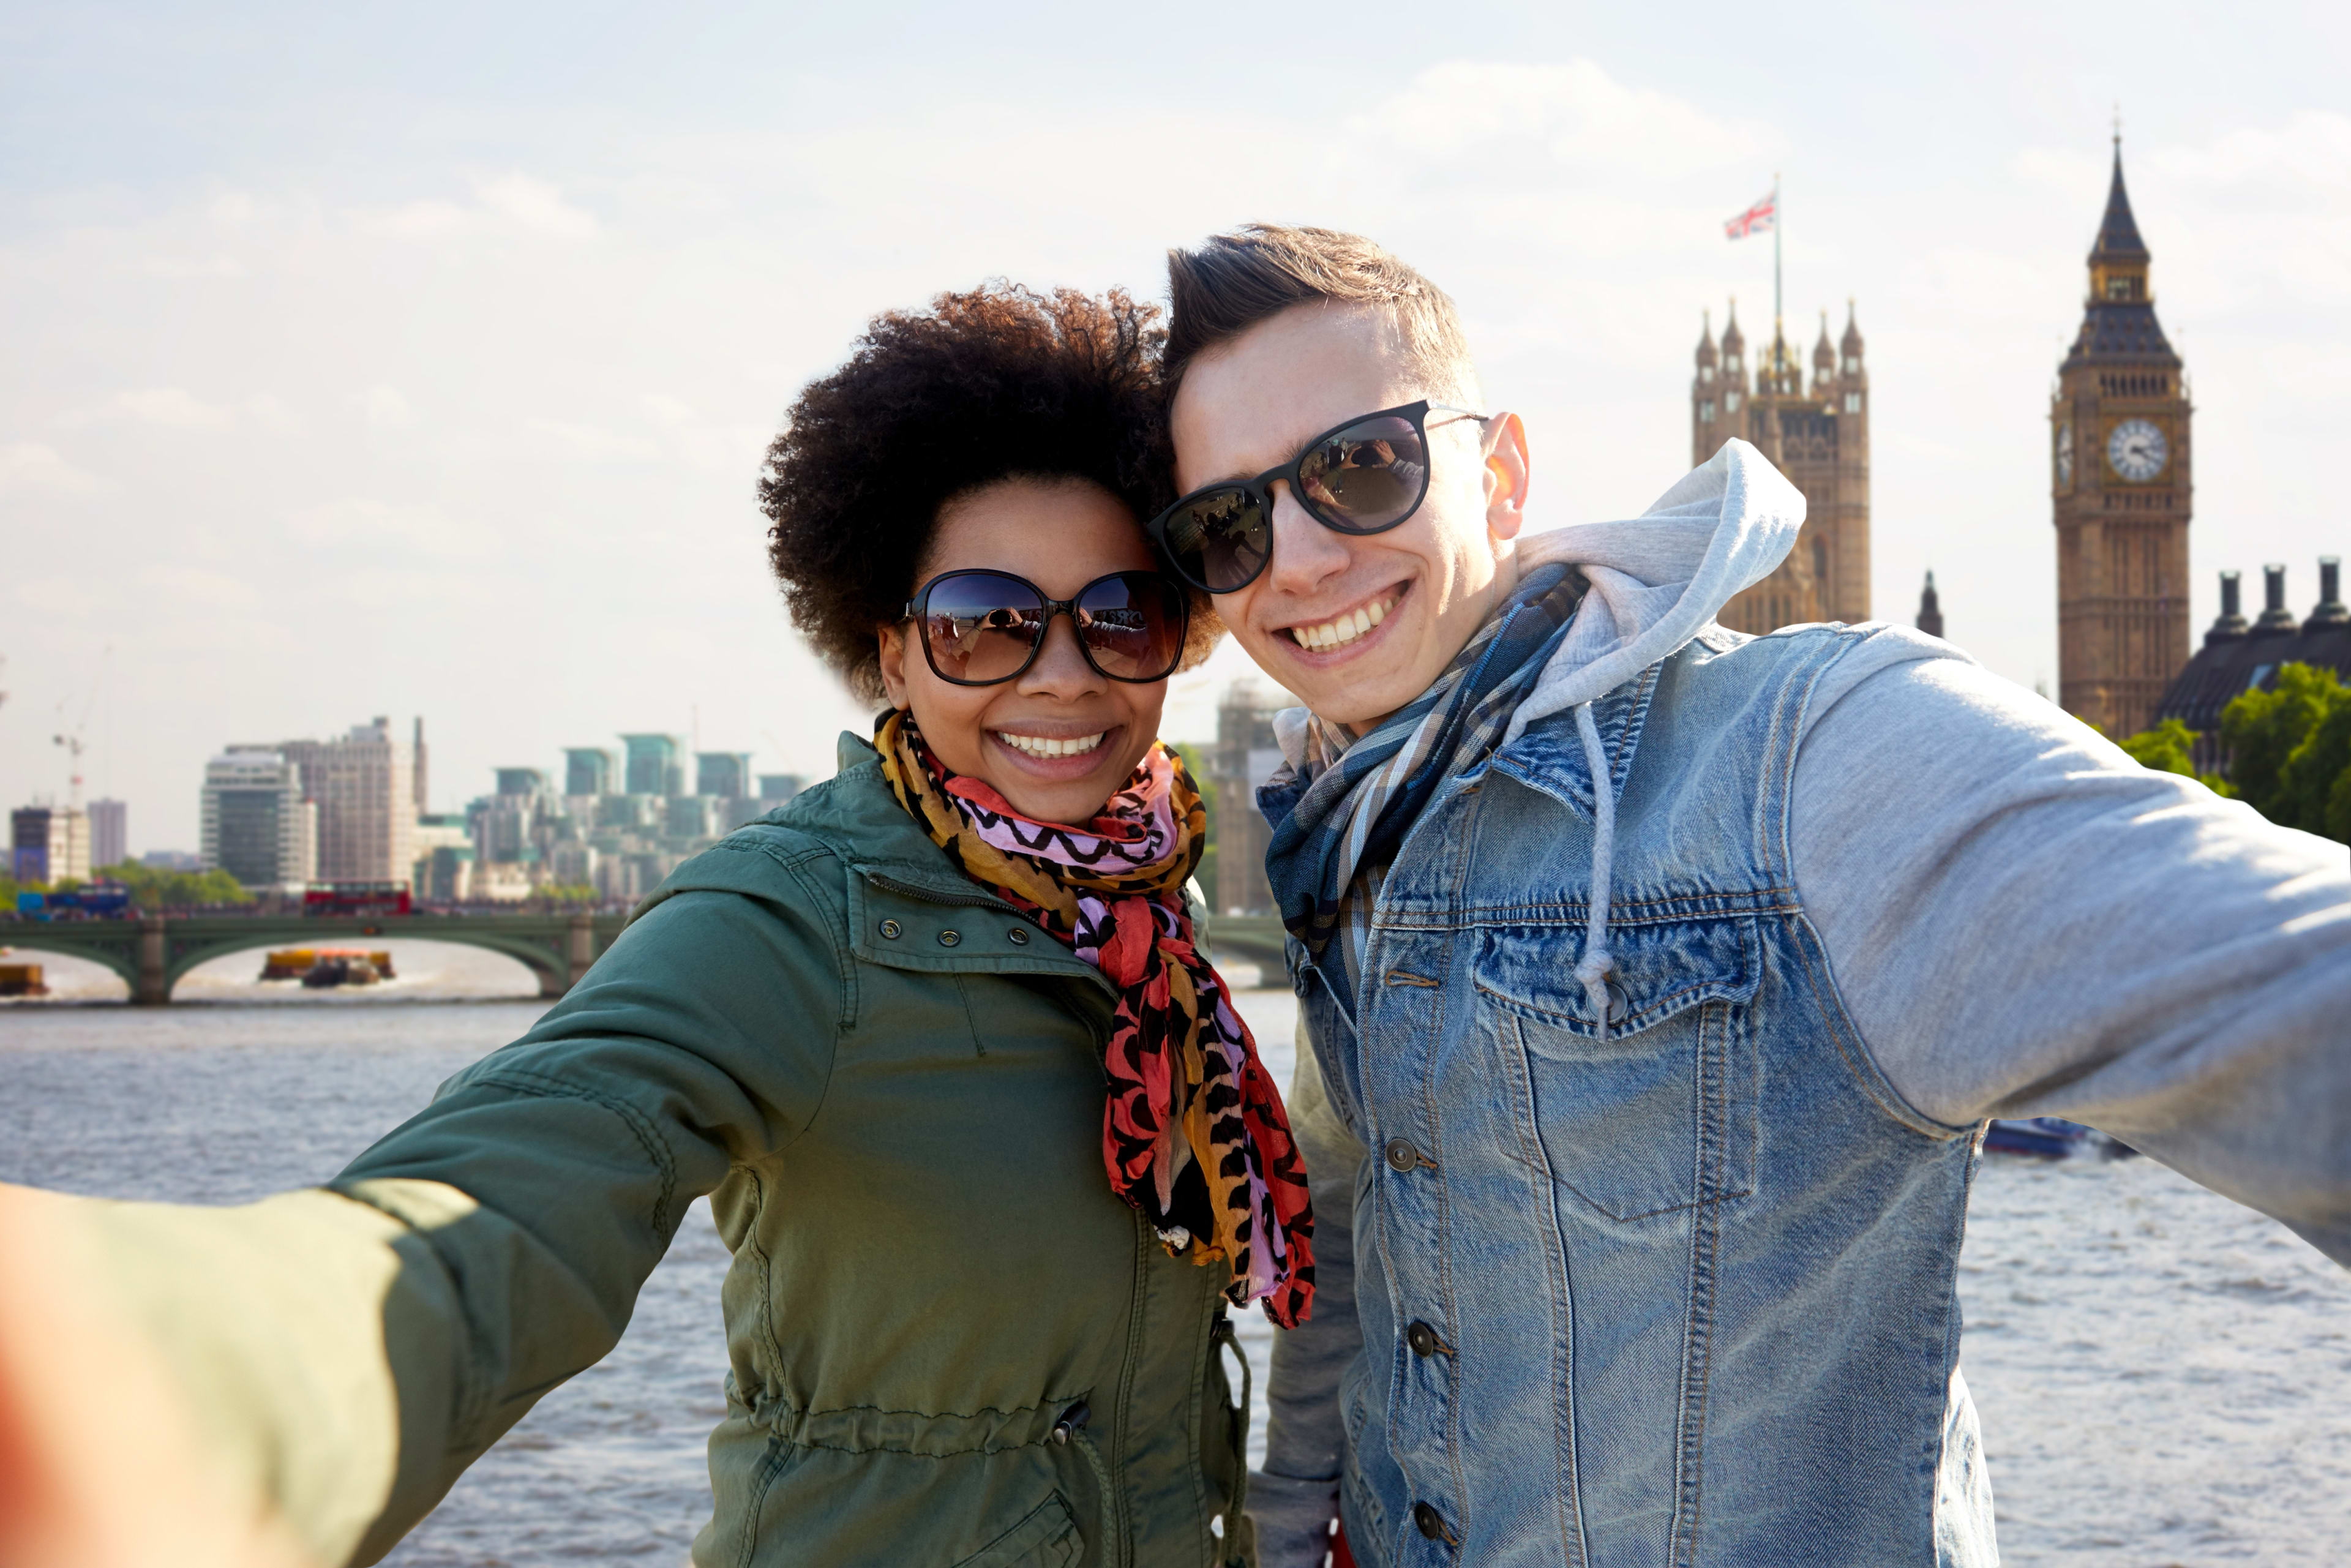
<point x="893" y="640"/>
<point x="1506" y="475"/>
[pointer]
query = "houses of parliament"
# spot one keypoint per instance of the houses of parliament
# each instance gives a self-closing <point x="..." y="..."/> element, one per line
<point x="2121" y="471"/>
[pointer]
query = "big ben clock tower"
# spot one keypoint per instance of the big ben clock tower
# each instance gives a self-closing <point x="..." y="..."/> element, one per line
<point x="2119" y="472"/>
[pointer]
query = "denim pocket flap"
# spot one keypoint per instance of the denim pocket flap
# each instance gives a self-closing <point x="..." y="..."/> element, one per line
<point x="1661" y="970"/>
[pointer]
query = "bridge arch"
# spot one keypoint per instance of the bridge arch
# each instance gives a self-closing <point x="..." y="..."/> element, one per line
<point x="153" y="954"/>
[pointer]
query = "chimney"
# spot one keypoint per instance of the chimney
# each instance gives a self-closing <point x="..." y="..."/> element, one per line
<point x="2231" y="624"/>
<point x="2330" y="610"/>
<point x="2277" y="619"/>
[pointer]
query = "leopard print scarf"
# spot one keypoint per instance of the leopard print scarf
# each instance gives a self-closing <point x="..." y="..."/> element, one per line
<point x="1193" y="1133"/>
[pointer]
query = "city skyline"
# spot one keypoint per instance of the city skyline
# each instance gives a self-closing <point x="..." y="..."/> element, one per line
<point x="320" y="379"/>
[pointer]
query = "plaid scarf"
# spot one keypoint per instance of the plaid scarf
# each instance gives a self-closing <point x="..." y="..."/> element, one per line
<point x="1340" y="814"/>
<point x="1193" y="1133"/>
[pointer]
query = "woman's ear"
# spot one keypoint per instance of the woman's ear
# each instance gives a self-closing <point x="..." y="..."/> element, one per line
<point x="893" y="640"/>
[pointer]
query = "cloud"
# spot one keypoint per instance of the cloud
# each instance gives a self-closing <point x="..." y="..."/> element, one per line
<point x="29" y="466"/>
<point x="592" y="443"/>
<point x="367" y="524"/>
<point x="1576" y="115"/>
<point x="503" y="203"/>
<point x="199" y="586"/>
<point x="386" y="408"/>
<point x="165" y="408"/>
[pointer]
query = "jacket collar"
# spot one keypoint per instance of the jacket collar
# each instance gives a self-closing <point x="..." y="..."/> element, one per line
<point x="1549" y="756"/>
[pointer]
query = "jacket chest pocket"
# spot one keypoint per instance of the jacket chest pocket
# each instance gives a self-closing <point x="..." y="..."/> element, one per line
<point x="1659" y="1115"/>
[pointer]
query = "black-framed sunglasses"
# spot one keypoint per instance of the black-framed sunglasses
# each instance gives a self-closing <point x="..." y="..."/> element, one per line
<point x="1365" y="477"/>
<point x="981" y="628"/>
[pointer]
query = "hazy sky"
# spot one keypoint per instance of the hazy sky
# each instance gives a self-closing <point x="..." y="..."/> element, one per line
<point x="418" y="361"/>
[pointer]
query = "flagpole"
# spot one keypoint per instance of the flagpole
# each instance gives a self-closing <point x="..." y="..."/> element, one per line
<point x="1776" y="221"/>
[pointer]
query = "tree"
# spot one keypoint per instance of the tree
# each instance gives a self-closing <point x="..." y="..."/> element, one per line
<point x="2291" y="747"/>
<point x="2170" y="748"/>
<point x="155" y="889"/>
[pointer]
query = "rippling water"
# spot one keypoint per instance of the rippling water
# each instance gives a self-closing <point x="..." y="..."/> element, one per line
<point x="2164" y="1378"/>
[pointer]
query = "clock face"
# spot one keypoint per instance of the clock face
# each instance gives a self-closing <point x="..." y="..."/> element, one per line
<point x="2137" y="450"/>
<point x="2064" y="456"/>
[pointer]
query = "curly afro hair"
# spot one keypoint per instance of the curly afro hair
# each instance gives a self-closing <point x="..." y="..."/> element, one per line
<point x="1001" y="383"/>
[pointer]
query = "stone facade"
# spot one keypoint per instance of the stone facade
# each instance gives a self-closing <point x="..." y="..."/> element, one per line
<point x="1817" y="436"/>
<point x="2121" y="482"/>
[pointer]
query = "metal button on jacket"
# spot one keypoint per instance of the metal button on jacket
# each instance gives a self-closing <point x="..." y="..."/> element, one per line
<point x="890" y="928"/>
<point x="1018" y="936"/>
<point x="1401" y="1155"/>
<point x="949" y="938"/>
<point x="1430" y="1523"/>
<point x="1423" y="1339"/>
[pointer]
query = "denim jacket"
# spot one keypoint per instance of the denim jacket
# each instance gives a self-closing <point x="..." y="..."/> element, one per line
<point x="1679" y="1290"/>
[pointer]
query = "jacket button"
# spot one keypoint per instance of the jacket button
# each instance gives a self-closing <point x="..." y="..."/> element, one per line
<point x="1401" y="1155"/>
<point x="949" y="938"/>
<point x="1018" y="936"/>
<point x="1421" y="1338"/>
<point x="890" y="928"/>
<point x="1428" y="1520"/>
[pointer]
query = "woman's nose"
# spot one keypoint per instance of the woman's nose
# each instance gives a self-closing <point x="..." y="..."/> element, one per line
<point x="1060" y="668"/>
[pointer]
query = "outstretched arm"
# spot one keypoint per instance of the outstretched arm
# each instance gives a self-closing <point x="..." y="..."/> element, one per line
<point x="346" y="1354"/>
<point x="2022" y="921"/>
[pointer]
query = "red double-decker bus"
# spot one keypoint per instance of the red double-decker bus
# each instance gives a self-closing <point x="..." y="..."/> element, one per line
<point x="356" y="898"/>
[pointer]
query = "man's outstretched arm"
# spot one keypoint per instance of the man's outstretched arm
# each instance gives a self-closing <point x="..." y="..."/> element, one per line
<point x="2022" y="921"/>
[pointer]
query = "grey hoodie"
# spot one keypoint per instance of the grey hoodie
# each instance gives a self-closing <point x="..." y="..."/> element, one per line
<point x="2020" y="919"/>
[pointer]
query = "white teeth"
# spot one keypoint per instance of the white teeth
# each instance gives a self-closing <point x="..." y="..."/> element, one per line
<point x="1043" y="746"/>
<point x="1346" y="629"/>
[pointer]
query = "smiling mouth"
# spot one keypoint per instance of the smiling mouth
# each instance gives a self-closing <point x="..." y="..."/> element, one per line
<point x="1341" y="631"/>
<point x="1051" y="746"/>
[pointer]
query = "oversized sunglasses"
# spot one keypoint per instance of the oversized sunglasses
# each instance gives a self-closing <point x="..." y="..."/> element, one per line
<point x="1365" y="477"/>
<point x="981" y="628"/>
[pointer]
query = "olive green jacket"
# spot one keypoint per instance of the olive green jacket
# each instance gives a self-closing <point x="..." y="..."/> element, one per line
<point x="950" y="1344"/>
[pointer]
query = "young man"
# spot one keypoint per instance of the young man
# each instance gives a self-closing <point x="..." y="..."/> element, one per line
<point x="1657" y="978"/>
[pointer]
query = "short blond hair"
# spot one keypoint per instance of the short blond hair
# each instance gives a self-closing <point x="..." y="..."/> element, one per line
<point x="1230" y="282"/>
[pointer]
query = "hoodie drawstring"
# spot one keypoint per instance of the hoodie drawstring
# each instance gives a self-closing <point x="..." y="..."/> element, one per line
<point x="1593" y="967"/>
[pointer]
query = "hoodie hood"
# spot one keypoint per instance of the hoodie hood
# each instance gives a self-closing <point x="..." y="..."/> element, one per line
<point x="1658" y="579"/>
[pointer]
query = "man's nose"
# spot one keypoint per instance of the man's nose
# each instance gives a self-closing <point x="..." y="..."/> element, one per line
<point x="1305" y="554"/>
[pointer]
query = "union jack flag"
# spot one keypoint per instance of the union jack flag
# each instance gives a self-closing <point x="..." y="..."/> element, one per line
<point x="1757" y="219"/>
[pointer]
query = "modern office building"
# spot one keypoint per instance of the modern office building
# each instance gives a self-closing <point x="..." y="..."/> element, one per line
<point x="48" y="843"/>
<point x="364" y="787"/>
<point x="109" y="832"/>
<point x="529" y="781"/>
<point x="653" y="765"/>
<point x="257" y="826"/>
<point x="588" y="770"/>
<point x="775" y="788"/>
<point x="444" y="858"/>
<point x="727" y="774"/>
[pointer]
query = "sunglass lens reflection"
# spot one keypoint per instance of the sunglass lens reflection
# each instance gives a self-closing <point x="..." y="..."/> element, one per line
<point x="981" y="627"/>
<point x="1132" y="625"/>
<point x="1220" y="540"/>
<point x="1368" y="476"/>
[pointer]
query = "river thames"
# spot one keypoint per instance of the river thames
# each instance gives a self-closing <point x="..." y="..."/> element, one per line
<point x="2164" y="1378"/>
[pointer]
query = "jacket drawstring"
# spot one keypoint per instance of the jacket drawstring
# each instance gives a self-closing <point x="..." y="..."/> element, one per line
<point x="1594" y="967"/>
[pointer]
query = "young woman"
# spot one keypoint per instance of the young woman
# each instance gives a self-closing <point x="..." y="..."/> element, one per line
<point x="991" y="1148"/>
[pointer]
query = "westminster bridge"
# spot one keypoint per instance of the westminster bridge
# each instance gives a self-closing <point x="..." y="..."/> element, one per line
<point x="153" y="952"/>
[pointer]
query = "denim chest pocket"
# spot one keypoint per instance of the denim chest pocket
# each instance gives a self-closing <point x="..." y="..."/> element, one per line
<point x="1658" y="1116"/>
